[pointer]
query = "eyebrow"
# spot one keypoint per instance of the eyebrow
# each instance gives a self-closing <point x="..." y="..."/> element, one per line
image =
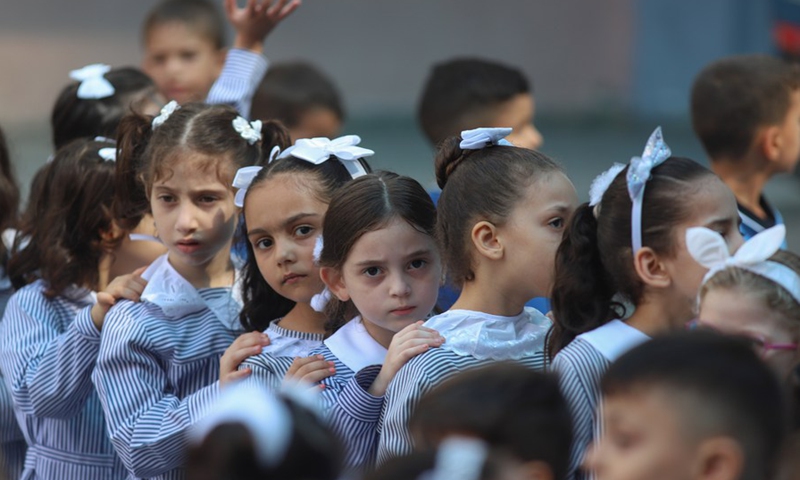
<point x="720" y="222"/>
<point x="418" y="253"/>
<point x="284" y="224"/>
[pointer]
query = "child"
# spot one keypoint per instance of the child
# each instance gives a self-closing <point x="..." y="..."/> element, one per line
<point x="621" y="250"/>
<point x="252" y="433"/>
<point x="381" y="263"/>
<point x="711" y="411"/>
<point x="159" y="359"/>
<point x="281" y="277"/>
<point x="303" y="98"/>
<point x="754" y="294"/>
<point x="498" y="247"/>
<point x="466" y="93"/>
<point x="746" y="112"/>
<point x="529" y="419"/>
<point x="184" y="49"/>
<point x="51" y="328"/>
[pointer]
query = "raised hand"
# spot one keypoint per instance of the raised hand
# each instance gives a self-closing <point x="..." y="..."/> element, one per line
<point x="406" y="344"/>
<point x="256" y="20"/>
<point x="128" y="286"/>
<point x="245" y="346"/>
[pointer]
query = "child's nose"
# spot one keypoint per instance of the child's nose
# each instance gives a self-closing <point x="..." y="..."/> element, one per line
<point x="399" y="286"/>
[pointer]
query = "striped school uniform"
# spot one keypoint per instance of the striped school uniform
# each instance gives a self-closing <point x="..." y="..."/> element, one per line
<point x="580" y="366"/>
<point x="12" y="442"/>
<point x="473" y="339"/>
<point x="751" y="225"/>
<point x="158" y="367"/>
<point x="237" y="83"/>
<point x="48" y="349"/>
<point x="270" y="366"/>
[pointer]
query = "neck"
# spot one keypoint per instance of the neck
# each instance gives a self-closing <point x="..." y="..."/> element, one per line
<point x="653" y="317"/>
<point x="104" y="268"/>
<point x="303" y="318"/>
<point x="217" y="272"/>
<point x="379" y="334"/>
<point x="488" y="299"/>
<point x="746" y="179"/>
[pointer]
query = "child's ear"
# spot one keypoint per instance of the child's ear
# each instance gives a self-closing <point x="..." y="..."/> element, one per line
<point x="771" y="142"/>
<point x="650" y="269"/>
<point x="487" y="243"/>
<point x="719" y="458"/>
<point x="335" y="282"/>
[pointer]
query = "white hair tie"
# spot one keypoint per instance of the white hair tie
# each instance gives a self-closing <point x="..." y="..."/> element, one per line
<point x="250" y="131"/>
<point x="655" y="153"/>
<point x="318" y="150"/>
<point x="108" y="154"/>
<point x="94" y="85"/>
<point x="166" y="111"/>
<point x="479" y="138"/>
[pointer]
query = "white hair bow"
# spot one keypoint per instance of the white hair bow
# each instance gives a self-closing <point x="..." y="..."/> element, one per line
<point x="166" y="111"/>
<point x="709" y="249"/>
<point x="459" y="457"/>
<point x="320" y="301"/>
<point x="318" y="150"/>
<point x="601" y="183"/>
<point x="655" y="153"/>
<point x="244" y="177"/>
<point x="108" y="154"/>
<point x="478" y="138"/>
<point x="250" y="131"/>
<point x="94" y="85"/>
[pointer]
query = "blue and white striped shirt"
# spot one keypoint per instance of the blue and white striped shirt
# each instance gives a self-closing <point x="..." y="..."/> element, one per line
<point x="238" y="81"/>
<point x="48" y="349"/>
<point x="751" y="225"/>
<point x="12" y="442"/>
<point x="580" y="366"/>
<point x="158" y="367"/>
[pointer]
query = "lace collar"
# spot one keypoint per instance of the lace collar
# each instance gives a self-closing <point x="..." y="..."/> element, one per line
<point x="177" y="298"/>
<point x="290" y="343"/>
<point x="614" y="338"/>
<point x="485" y="336"/>
<point x="354" y="346"/>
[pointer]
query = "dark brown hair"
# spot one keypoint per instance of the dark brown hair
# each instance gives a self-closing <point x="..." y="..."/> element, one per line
<point x="478" y="185"/>
<point x="595" y="259"/>
<point x="198" y="15"/>
<point x="733" y="97"/>
<point x="9" y="196"/>
<point x="262" y="304"/>
<point x="74" y="117"/>
<point x="72" y="224"/>
<point x="367" y="204"/>
<point x="146" y="154"/>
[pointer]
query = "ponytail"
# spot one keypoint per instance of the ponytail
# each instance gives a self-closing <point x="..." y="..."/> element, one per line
<point x="130" y="199"/>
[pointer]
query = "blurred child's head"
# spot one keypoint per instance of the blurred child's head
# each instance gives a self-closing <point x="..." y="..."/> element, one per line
<point x="756" y="300"/>
<point x="252" y="434"/>
<point x="379" y="257"/>
<point x="502" y="208"/>
<point x="71" y="227"/>
<point x="467" y="93"/>
<point x="281" y="270"/>
<point x="185" y="169"/>
<point x="184" y="44"/>
<point x="302" y="97"/>
<point x="748" y="106"/>
<point x="9" y="195"/>
<point x="510" y="407"/>
<point x="596" y="264"/>
<point x="690" y="406"/>
<point x="94" y="104"/>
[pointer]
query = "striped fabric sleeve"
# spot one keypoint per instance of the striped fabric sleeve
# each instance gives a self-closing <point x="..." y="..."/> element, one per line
<point x="240" y="77"/>
<point x="47" y="371"/>
<point x="146" y="423"/>
<point x="266" y="370"/>
<point x="354" y="417"/>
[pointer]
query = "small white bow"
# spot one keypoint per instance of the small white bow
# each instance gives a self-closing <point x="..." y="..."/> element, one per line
<point x="655" y="153"/>
<point x="250" y="131"/>
<point x="478" y="138"/>
<point x="108" y="154"/>
<point x="244" y="177"/>
<point x="709" y="249"/>
<point x="601" y="183"/>
<point x="166" y="111"/>
<point x="94" y="85"/>
<point x="319" y="149"/>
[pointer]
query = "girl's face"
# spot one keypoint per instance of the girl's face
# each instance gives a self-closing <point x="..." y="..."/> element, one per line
<point x="194" y="213"/>
<point x="284" y="219"/>
<point x="735" y="311"/>
<point x="392" y="275"/>
<point x="532" y="234"/>
<point x="713" y="206"/>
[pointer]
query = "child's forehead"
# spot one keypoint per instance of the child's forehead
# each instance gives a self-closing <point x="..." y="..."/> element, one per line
<point x="188" y="167"/>
<point x="188" y="32"/>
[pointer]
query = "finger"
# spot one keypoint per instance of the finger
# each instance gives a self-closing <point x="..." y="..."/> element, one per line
<point x="415" y="342"/>
<point x="230" y="7"/>
<point x="289" y="9"/>
<point x="315" y="366"/>
<point x="251" y="7"/>
<point x="239" y="356"/>
<point x="248" y="340"/>
<point x="237" y="375"/>
<point x="316" y="376"/>
<point x="409" y="353"/>
<point x="276" y="8"/>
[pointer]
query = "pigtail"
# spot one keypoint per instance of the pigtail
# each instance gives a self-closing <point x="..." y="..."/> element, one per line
<point x="273" y="133"/>
<point x="130" y="199"/>
<point x="9" y="196"/>
<point x="338" y="313"/>
<point x="583" y="292"/>
<point x="449" y="155"/>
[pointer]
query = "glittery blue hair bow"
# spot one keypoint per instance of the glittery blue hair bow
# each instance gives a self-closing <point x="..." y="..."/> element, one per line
<point x="655" y="153"/>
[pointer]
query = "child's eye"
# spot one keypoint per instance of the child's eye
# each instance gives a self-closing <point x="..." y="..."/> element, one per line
<point x="417" y="264"/>
<point x="166" y="198"/>
<point x="188" y="56"/>
<point x="207" y="199"/>
<point x="557" y="223"/>
<point x="372" y="271"/>
<point x="263" y="243"/>
<point x="303" y="230"/>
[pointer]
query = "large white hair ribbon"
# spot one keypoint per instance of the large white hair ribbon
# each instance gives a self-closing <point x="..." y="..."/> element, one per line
<point x="459" y="457"/>
<point x="655" y="153"/>
<point x="244" y="177"/>
<point x="318" y="150"/>
<point x="94" y="85"/>
<point x="479" y="138"/>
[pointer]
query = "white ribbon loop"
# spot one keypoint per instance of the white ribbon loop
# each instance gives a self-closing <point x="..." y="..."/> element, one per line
<point x="459" y="457"/>
<point x="166" y="111"/>
<point x="318" y="150"/>
<point x="94" y="85"/>
<point x="250" y="131"/>
<point x="108" y="154"/>
<point x="479" y="138"/>
<point x="244" y="177"/>
<point x="655" y="153"/>
<point x="601" y="183"/>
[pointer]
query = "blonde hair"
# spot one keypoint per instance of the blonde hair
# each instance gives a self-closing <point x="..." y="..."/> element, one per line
<point x="773" y="296"/>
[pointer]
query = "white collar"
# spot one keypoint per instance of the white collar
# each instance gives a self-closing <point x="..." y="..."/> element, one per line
<point x="178" y="298"/>
<point x="290" y="343"/>
<point x="614" y="339"/>
<point x="486" y="336"/>
<point x="355" y="347"/>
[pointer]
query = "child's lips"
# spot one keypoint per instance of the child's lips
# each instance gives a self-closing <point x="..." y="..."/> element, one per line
<point x="188" y="246"/>
<point x="292" y="278"/>
<point x="405" y="310"/>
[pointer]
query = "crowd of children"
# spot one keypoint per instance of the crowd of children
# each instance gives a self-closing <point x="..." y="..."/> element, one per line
<point x="203" y="284"/>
